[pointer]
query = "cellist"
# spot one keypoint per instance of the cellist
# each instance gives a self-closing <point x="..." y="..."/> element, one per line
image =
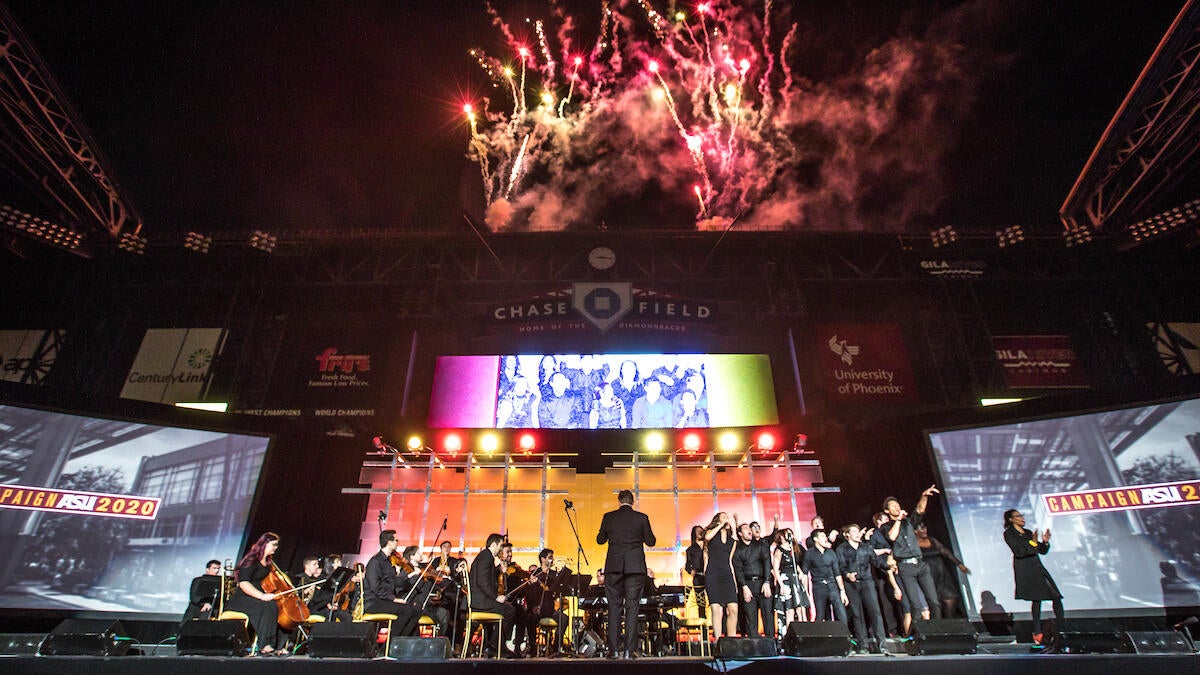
<point x="251" y="600"/>
<point x="379" y="588"/>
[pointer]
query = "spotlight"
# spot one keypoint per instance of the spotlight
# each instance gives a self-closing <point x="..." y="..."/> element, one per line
<point x="263" y="241"/>
<point x="527" y="443"/>
<point x="1009" y="236"/>
<point x="691" y="442"/>
<point x="800" y="447"/>
<point x="655" y="442"/>
<point x="195" y="241"/>
<point x="728" y="442"/>
<point x="1077" y="236"/>
<point x="765" y="441"/>
<point x="130" y="242"/>
<point x="415" y="443"/>
<point x="943" y="236"/>
<point x="452" y="443"/>
<point x="489" y="443"/>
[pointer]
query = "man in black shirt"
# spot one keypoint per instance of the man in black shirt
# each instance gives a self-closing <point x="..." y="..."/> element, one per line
<point x="625" y="531"/>
<point x="379" y="588"/>
<point x="915" y="575"/>
<point x="826" y="570"/>
<point x="857" y="559"/>
<point x="752" y="572"/>
<point x="896" y="614"/>
<point x="483" y="583"/>
<point x="204" y="594"/>
<point x="416" y="589"/>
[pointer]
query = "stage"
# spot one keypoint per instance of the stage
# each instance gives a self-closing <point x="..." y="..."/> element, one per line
<point x="978" y="664"/>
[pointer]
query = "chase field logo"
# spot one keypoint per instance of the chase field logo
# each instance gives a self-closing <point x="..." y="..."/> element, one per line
<point x="847" y="352"/>
<point x="602" y="304"/>
<point x="200" y="358"/>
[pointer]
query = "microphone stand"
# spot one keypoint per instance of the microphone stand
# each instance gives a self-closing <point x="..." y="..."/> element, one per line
<point x="580" y="561"/>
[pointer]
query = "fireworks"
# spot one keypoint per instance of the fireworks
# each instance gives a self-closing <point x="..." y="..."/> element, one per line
<point x="701" y="104"/>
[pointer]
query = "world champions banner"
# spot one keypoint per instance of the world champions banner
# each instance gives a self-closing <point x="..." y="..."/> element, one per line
<point x="865" y="363"/>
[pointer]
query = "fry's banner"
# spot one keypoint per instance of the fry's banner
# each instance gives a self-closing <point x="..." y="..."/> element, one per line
<point x="1125" y="498"/>
<point x="76" y="501"/>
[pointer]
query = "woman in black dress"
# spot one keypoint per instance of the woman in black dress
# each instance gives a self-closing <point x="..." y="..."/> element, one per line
<point x="251" y="600"/>
<point x="718" y="574"/>
<point x="786" y="556"/>
<point x="938" y="557"/>
<point x="693" y="564"/>
<point x="1032" y="580"/>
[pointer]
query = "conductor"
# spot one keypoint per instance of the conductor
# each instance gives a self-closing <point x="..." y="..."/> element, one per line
<point x="624" y="530"/>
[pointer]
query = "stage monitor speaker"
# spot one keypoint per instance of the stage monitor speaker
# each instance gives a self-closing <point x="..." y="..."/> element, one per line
<point x="86" y="637"/>
<point x="1082" y="636"/>
<point x="817" y="638"/>
<point x="213" y="638"/>
<point x="943" y="636"/>
<point x="589" y="644"/>
<point x="739" y="649"/>
<point x="343" y="639"/>
<point x="409" y="648"/>
<point x="1154" y="642"/>
<point x="20" y="644"/>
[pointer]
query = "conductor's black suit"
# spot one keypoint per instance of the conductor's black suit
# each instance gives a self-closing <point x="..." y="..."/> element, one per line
<point x="625" y="531"/>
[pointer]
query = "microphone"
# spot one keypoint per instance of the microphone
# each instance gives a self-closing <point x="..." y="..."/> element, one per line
<point x="382" y="515"/>
<point x="1190" y="621"/>
<point x="567" y="504"/>
<point x="445" y="521"/>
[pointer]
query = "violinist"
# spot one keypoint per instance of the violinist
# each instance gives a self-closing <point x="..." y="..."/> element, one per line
<point x="319" y="598"/>
<point x="543" y="597"/>
<point x="416" y="586"/>
<point x="380" y="580"/>
<point x="484" y="588"/>
<point x="517" y="590"/>
<point x="251" y="599"/>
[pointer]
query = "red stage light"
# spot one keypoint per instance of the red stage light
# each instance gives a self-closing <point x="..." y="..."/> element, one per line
<point x="691" y="442"/>
<point x="452" y="443"/>
<point x="765" y="441"/>
<point x="527" y="442"/>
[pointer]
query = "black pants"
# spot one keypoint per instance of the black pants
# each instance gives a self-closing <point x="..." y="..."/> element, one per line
<point x="864" y="605"/>
<point x="826" y="595"/>
<point x="406" y="615"/>
<point x="757" y="606"/>
<point x="263" y="615"/>
<point x="624" y="590"/>
<point x="505" y="610"/>
<point x="918" y="585"/>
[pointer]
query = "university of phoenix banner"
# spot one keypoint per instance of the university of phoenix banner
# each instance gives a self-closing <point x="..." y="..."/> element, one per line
<point x="865" y="363"/>
<point x="172" y="364"/>
<point x="27" y="356"/>
<point x="1038" y="361"/>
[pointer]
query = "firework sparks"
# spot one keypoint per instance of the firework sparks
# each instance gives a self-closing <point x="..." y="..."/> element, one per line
<point x="701" y="100"/>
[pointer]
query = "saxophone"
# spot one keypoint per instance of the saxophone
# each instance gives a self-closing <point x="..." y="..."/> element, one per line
<point x="357" y="614"/>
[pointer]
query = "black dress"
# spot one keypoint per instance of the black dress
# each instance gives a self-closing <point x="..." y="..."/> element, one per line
<point x="263" y="614"/>
<point x="718" y="572"/>
<point x="1032" y="580"/>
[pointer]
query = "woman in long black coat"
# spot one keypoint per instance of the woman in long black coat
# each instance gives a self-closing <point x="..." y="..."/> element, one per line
<point x="1032" y="580"/>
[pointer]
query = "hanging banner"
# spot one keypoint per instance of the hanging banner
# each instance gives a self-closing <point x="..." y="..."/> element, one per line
<point x="172" y="365"/>
<point x="865" y="363"/>
<point x="1039" y="362"/>
<point x="26" y="356"/>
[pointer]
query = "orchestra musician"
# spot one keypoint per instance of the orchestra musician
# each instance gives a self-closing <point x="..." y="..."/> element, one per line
<point x="445" y="563"/>
<point x="204" y="591"/>
<point x="416" y="588"/>
<point x="625" y="531"/>
<point x="251" y="600"/>
<point x="516" y="589"/>
<point x="319" y="598"/>
<point x="485" y="593"/>
<point x="380" y="584"/>
<point x="543" y="595"/>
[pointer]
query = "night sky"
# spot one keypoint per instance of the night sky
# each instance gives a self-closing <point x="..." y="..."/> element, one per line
<point x="286" y="115"/>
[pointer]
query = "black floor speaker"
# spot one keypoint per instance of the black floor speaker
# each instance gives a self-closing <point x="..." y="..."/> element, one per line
<point x="1082" y="636"/>
<point x="343" y="639"/>
<point x="20" y="644"/>
<point x="213" y="638"/>
<point x="745" y="648"/>
<point x="817" y="638"/>
<point x="1154" y="642"/>
<point x="943" y="636"/>
<point x="410" y="648"/>
<point x="86" y="637"/>
<point x="589" y="644"/>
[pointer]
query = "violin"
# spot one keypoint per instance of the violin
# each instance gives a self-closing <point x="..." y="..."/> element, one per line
<point x="292" y="610"/>
<point x="343" y="583"/>
<point x="400" y="563"/>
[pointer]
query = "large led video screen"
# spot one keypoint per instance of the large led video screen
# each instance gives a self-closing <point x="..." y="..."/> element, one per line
<point x="602" y="391"/>
<point x="1119" y="490"/>
<point x="113" y="516"/>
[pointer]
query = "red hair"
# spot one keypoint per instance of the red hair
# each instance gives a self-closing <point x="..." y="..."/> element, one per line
<point x="256" y="553"/>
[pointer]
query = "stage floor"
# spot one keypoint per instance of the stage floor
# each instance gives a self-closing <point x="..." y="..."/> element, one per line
<point x="985" y="664"/>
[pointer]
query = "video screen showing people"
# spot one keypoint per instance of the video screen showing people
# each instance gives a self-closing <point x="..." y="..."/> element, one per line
<point x="603" y="391"/>
<point x="1119" y="491"/>
<point x="103" y="515"/>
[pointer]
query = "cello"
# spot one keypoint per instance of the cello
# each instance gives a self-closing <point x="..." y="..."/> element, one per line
<point x="292" y="611"/>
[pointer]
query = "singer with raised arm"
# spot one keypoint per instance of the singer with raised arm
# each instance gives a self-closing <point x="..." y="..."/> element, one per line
<point x="914" y="573"/>
<point x="625" y="531"/>
<point x="1032" y="580"/>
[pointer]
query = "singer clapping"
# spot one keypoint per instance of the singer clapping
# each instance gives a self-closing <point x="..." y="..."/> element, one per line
<point x="1032" y="580"/>
<point x="625" y="531"/>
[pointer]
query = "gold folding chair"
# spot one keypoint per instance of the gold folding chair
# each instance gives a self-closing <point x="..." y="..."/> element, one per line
<point x="481" y="619"/>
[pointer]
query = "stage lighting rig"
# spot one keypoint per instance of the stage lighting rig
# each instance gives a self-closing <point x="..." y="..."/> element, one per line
<point x="263" y="241"/>
<point x="943" y="236"/>
<point x="197" y="242"/>
<point x="39" y="229"/>
<point x="1077" y="236"/>
<point x="132" y="242"/>
<point x="1010" y="236"/>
